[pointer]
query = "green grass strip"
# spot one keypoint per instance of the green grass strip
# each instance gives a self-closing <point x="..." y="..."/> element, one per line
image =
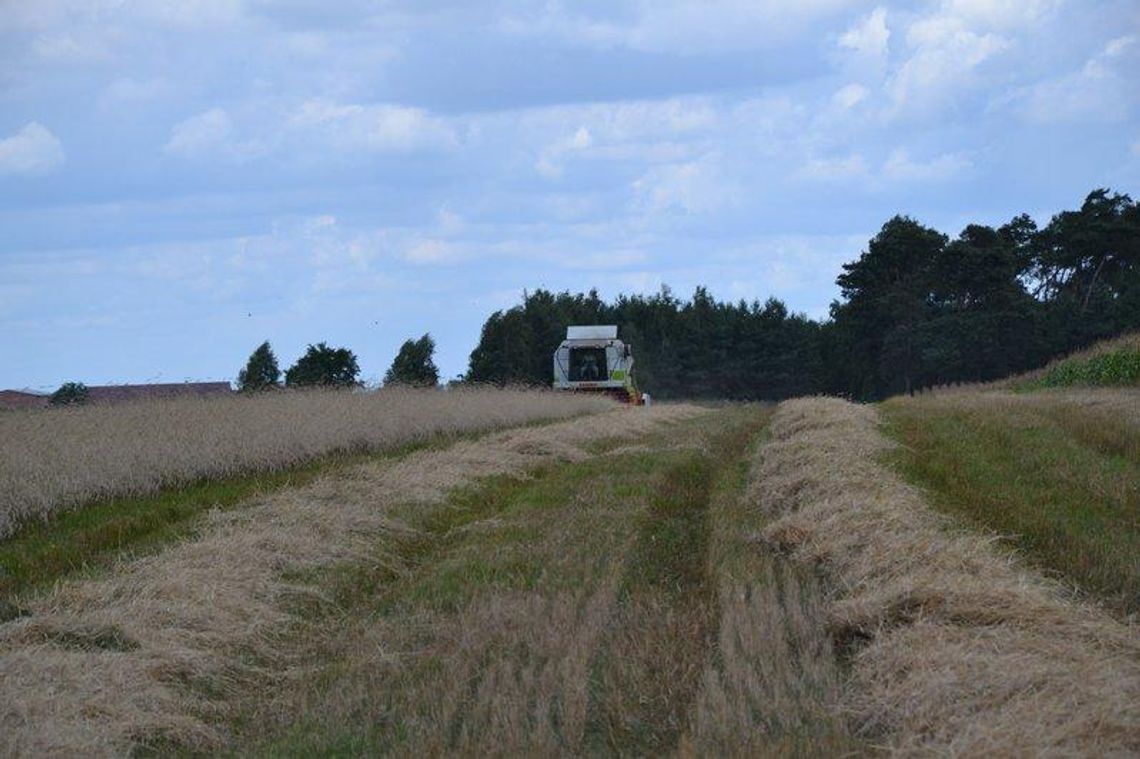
<point x="1058" y="491"/>
<point x="1120" y="368"/>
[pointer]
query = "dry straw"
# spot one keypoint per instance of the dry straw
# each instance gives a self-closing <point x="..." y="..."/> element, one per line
<point x="58" y="458"/>
<point x="955" y="648"/>
<point x="161" y="650"/>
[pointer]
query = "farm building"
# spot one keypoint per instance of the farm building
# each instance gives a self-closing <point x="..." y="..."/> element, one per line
<point x="123" y="393"/>
<point x="13" y="400"/>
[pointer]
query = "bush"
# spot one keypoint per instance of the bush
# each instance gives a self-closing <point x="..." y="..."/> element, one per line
<point x="70" y="394"/>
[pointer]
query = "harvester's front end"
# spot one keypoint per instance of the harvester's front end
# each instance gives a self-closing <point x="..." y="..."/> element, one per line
<point x="592" y="359"/>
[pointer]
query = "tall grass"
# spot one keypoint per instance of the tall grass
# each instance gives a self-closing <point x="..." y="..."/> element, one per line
<point x="53" y="459"/>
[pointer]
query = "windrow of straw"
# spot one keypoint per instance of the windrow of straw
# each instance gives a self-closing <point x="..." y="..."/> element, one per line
<point x="58" y="458"/>
<point x="159" y="652"/>
<point x="954" y="648"/>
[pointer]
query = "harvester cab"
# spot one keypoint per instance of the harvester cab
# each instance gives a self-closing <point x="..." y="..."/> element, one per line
<point x="592" y="359"/>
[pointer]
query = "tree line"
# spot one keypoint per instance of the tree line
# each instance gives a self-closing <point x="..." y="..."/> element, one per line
<point x="319" y="366"/>
<point x="916" y="309"/>
<point x="324" y="366"/>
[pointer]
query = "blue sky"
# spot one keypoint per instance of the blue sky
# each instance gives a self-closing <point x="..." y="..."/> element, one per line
<point x="182" y="179"/>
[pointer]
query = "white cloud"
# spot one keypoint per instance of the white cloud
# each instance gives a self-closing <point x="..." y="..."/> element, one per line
<point x="431" y="251"/>
<point x="643" y="132"/>
<point x="1119" y="45"/>
<point x="680" y="26"/>
<point x="849" y="96"/>
<point x="44" y="14"/>
<point x="1000" y="14"/>
<point x="212" y="134"/>
<point x="834" y="169"/>
<point x="71" y="47"/>
<point x="632" y="119"/>
<point x="944" y="52"/>
<point x="870" y="37"/>
<point x="200" y="134"/>
<point x="128" y="89"/>
<point x="332" y="248"/>
<point x="33" y="150"/>
<point x="1102" y="90"/>
<point x="380" y="127"/>
<point x="551" y="160"/>
<point x="694" y="187"/>
<point x="900" y="166"/>
<point x="785" y="264"/>
<point x="449" y="222"/>
<point x="602" y="260"/>
<point x="193" y="13"/>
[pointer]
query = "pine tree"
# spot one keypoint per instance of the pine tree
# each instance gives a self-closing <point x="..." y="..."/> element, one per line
<point x="261" y="371"/>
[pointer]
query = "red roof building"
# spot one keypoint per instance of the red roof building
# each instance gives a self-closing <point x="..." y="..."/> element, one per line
<point x="123" y="393"/>
<point x="14" y="400"/>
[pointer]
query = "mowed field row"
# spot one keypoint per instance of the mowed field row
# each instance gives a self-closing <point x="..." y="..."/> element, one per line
<point x="673" y="580"/>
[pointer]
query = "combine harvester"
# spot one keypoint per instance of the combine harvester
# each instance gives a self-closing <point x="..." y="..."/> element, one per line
<point x="591" y="359"/>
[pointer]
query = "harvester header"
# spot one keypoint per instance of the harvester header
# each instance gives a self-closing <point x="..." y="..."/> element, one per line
<point x="593" y="359"/>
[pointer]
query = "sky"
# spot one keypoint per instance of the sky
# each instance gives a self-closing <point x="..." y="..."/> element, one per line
<point x="183" y="179"/>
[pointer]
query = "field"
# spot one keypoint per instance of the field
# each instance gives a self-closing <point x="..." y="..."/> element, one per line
<point x="1057" y="474"/>
<point x="521" y="573"/>
<point x="56" y="458"/>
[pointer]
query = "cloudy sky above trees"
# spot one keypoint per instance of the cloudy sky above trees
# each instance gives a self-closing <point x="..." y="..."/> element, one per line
<point x="182" y="179"/>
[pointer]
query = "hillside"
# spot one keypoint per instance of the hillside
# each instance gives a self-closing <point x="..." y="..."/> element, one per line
<point x="1108" y="363"/>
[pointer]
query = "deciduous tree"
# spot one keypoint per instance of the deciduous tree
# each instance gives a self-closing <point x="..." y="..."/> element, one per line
<point x="324" y="366"/>
<point x="414" y="364"/>
<point x="69" y="394"/>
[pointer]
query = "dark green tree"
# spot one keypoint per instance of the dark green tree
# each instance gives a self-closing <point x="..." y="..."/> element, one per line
<point x="69" y="394"/>
<point x="1087" y="269"/>
<point x="261" y="371"/>
<point x="516" y="345"/>
<point x="414" y="365"/>
<point x="887" y="300"/>
<point x="324" y="366"/>
<point x="917" y="309"/>
<point x="698" y="348"/>
<point x="983" y="322"/>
